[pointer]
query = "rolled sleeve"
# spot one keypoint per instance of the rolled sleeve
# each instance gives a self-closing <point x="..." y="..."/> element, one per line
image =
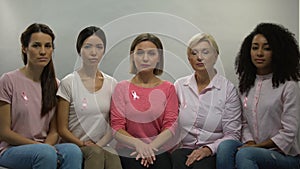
<point x="290" y="119"/>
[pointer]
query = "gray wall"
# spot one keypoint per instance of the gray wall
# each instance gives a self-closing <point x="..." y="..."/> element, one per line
<point x="174" y="21"/>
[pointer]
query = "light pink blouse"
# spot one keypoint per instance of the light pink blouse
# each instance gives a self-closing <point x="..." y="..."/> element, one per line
<point x="209" y="117"/>
<point x="273" y="113"/>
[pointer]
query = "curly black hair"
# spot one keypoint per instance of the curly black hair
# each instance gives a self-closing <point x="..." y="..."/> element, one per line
<point x="285" y="56"/>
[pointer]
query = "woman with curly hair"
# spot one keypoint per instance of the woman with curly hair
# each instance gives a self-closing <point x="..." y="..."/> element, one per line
<point x="268" y="69"/>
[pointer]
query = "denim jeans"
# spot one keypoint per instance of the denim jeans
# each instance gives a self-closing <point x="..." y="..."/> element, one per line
<point x="42" y="156"/>
<point x="226" y="154"/>
<point x="228" y="157"/>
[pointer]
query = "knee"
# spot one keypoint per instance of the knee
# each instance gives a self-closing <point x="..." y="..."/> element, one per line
<point x="228" y="146"/>
<point x="95" y="151"/>
<point x="72" y="151"/>
<point x="46" y="152"/>
<point x="244" y="154"/>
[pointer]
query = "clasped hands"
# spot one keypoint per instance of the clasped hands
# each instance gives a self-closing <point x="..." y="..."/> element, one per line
<point x="145" y="152"/>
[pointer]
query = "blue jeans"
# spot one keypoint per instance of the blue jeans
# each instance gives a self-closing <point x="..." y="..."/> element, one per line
<point x="228" y="157"/>
<point x="42" y="156"/>
<point x="226" y="154"/>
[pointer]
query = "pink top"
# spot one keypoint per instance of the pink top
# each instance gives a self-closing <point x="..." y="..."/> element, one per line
<point x="24" y="96"/>
<point x="209" y="117"/>
<point x="144" y="112"/>
<point x="273" y="113"/>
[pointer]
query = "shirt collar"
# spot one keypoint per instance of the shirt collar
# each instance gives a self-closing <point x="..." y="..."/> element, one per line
<point x="214" y="83"/>
<point x="264" y="77"/>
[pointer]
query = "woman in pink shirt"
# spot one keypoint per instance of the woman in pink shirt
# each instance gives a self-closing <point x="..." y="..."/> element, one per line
<point x="268" y="69"/>
<point x="144" y="109"/>
<point x="210" y="108"/>
<point x="28" y="134"/>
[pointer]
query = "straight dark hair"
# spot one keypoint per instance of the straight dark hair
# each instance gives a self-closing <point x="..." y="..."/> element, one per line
<point x="87" y="32"/>
<point x="48" y="79"/>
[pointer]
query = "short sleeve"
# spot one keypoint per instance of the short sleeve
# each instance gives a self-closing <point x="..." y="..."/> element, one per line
<point x="65" y="88"/>
<point x="6" y="89"/>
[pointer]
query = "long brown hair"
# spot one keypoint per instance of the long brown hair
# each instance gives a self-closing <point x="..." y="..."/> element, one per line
<point x="48" y="79"/>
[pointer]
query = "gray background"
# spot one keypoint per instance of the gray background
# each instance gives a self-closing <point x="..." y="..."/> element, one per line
<point x="174" y="21"/>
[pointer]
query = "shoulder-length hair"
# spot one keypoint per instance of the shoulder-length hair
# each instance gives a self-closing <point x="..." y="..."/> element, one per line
<point x="158" y="70"/>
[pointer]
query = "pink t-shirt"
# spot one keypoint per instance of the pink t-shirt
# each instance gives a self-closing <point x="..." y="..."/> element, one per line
<point x="24" y="96"/>
<point x="144" y="112"/>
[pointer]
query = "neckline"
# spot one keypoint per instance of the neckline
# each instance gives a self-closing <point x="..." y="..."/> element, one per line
<point x="266" y="76"/>
<point x="27" y="78"/>
<point x="81" y="83"/>
<point x="161" y="83"/>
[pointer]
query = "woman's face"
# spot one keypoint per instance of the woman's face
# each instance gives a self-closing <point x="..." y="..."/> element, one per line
<point x="261" y="54"/>
<point x="39" y="50"/>
<point x="92" y="51"/>
<point x="202" y="56"/>
<point x="145" y="56"/>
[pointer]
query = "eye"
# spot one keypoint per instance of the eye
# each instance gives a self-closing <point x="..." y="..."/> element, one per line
<point x="267" y="48"/>
<point x="194" y="52"/>
<point x="139" y="52"/>
<point x="35" y="45"/>
<point x="254" y="47"/>
<point x="100" y="47"/>
<point x="87" y="46"/>
<point x="152" y="53"/>
<point x="48" y="45"/>
<point x="205" y="51"/>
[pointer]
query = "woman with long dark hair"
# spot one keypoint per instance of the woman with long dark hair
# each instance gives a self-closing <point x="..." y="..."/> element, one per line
<point x="28" y="133"/>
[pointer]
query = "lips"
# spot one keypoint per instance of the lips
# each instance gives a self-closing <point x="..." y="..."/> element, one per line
<point x="200" y="64"/>
<point x="145" y="65"/>
<point x="43" y="59"/>
<point x="259" y="60"/>
<point x="93" y="60"/>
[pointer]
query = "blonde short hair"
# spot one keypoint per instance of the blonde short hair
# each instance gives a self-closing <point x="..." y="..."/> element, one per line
<point x="202" y="37"/>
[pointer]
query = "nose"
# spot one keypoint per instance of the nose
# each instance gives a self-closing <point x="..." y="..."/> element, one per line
<point x="199" y="56"/>
<point x="42" y="51"/>
<point x="260" y="52"/>
<point x="145" y="58"/>
<point x="94" y="51"/>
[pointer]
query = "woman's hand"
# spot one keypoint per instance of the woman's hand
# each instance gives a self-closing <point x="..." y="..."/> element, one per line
<point x="197" y="155"/>
<point x="88" y="143"/>
<point x="248" y="144"/>
<point x="145" y="152"/>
